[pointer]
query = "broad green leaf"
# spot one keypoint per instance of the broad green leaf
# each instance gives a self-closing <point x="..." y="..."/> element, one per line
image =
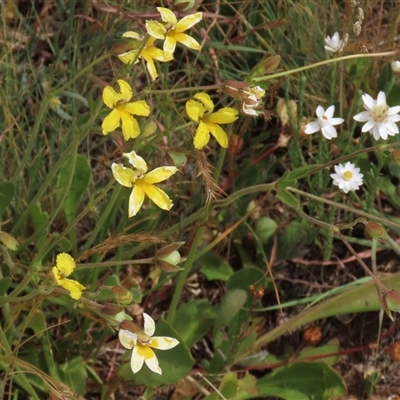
<point x="80" y="181"/>
<point x="74" y="375"/>
<point x="231" y="384"/>
<point x="5" y="284"/>
<point x="37" y="322"/>
<point x="265" y="228"/>
<point x="175" y="363"/>
<point x="320" y="351"/>
<point x="39" y="218"/>
<point x="7" y="191"/>
<point x="215" y="268"/>
<point x="193" y="320"/>
<point x="300" y="381"/>
<point x="232" y="302"/>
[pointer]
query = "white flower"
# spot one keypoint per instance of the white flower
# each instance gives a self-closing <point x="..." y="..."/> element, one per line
<point x="142" y="342"/>
<point x="325" y="123"/>
<point x="347" y="177"/>
<point x="380" y="119"/>
<point x="249" y="109"/>
<point x="333" y="44"/>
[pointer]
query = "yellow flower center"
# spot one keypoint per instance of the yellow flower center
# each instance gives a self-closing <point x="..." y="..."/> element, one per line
<point x="347" y="175"/>
<point x="379" y="113"/>
<point x="323" y="121"/>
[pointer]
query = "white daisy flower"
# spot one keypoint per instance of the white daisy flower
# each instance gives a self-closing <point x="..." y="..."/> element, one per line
<point x="325" y="123"/>
<point x="333" y="44"/>
<point x="380" y="118"/>
<point x="347" y="177"/>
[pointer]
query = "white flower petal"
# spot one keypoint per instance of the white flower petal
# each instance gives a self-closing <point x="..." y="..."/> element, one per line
<point x="320" y="111"/>
<point x="312" y="127"/>
<point x="362" y="116"/>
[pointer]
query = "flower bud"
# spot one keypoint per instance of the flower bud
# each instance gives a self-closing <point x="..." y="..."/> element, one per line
<point x="375" y="230"/>
<point x="395" y="67"/>
<point x="173" y="258"/>
<point x="266" y="66"/>
<point x="112" y="309"/>
<point x="9" y="241"/>
<point x="395" y="154"/>
<point x="122" y="295"/>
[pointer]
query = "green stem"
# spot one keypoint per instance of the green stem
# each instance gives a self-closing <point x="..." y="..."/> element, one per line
<point x="325" y="62"/>
<point x="343" y="207"/>
<point x="184" y="274"/>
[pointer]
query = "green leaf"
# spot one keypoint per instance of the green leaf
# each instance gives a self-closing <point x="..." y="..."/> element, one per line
<point x="38" y="323"/>
<point x="80" y="182"/>
<point x="74" y="375"/>
<point x="215" y="268"/>
<point x="300" y="172"/>
<point x="7" y="191"/>
<point x="301" y="381"/>
<point x="175" y="363"/>
<point x="39" y="218"/>
<point x="232" y="302"/>
<point x="230" y="385"/>
<point x="287" y="198"/>
<point x="5" y="284"/>
<point x="193" y="320"/>
<point x="320" y="351"/>
<point x="265" y="228"/>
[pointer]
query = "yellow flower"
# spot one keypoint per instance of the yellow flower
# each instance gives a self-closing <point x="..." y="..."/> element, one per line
<point x="65" y="264"/>
<point x="148" y="53"/>
<point x="142" y="344"/>
<point x="200" y="110"/>
<point x="123" y="110"/>
<point x="143" y="182"/>
<point x="172" y="30"/>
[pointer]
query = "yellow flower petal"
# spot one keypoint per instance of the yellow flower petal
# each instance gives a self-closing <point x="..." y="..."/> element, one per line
<point x="163" y="342"/>
<point x="223" y="116"/>
<point x="156" y="195"/>
<point x="205" y="99"/>
<point x="194" y="110"/>
<point x="130" y="57"/>
<point x="219" y="134"/>
<point x="155" y="29"/>
<point x="167" y="15"/>
<point x="137" y="358"/>
<point x="158" y="175"/>
<point x="111" y="97"/>
<point x="186" y="40"/>
<point x="130" y="127"/>
<point x="132" y="35"/>
<point x="135" y="200"/>
<point x="111" y="122"/>
<point x="169" y="46"/>
<point x="137" y="108"/>
<point x="151" y="67"/>
<point x="188" y="21"/>
<point x="136" y="161"/>
<point x="156" y="54"/>
<point x="151" y="360"/>
<point x="74" y="287"/>
<point x="124" y="176"/>
<point x="65" y="264"/>
<point x="202" y="136"/>
<point x="126" y="90"/>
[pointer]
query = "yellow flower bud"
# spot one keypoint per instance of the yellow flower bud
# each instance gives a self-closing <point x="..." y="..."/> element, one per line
<point x="122" y="295"/>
